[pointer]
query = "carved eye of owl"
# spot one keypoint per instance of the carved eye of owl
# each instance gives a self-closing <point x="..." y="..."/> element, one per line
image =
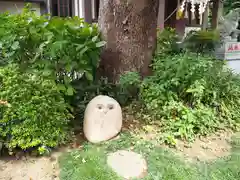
<point x="100" y="106"/>
<point x="110" y="106"/>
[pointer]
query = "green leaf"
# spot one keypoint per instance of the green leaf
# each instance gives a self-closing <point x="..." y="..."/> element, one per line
<point x="94" y="58"/>
<point x="100" y="44"/>
<point x="68" y="68"/>
<point x="79" y="46"/>
<point x="83" y="50"/>
<point x="15" y="45"/>
<point x="95" y="38"/>
<point x="67" y="80"/>
<point x="61" y="87"/>
<point x="89" y="76"/>
<point x="59" y="44"/>
<point x="9" y="54"/>
<point x="70" y="91"/>
<point x="47" y="72"/>
<point x="90" y="29"/>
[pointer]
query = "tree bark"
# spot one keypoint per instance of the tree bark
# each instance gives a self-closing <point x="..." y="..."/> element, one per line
<point x="129" y="28"/>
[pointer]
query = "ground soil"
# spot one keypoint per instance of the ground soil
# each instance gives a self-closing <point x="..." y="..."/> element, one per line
<point x="30" y="168"/>
<point x="207" y="148"/>
<point x="46" y="168"/>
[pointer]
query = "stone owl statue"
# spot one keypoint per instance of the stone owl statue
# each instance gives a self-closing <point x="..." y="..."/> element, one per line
<point x="102" y="119"/>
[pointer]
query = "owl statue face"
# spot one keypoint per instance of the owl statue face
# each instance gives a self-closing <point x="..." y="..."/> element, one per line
<point x="105" y="107"/>
<point x="102" y="119"/>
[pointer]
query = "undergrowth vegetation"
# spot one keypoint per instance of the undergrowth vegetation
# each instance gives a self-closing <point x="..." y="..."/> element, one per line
<point x="189" y="94"/>
<point x="35" y="113"/>
<point x="192" y="95"/>
<point x="64" y="49"/>
<point x="42" y="59"/>
<point x="203" y="41"/>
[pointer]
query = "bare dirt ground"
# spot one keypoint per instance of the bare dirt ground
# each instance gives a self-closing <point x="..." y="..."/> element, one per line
<point x="207" y="148"/>
<point x="202" y="149"/>
<point x="30" y="168"/>
<point x="46" y="168"/>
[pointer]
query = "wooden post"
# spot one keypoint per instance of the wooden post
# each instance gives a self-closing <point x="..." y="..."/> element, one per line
<point x="48" y="7"/>
<point x="161" y="14"/>
<point x="93" y="9"/>
<point x="205" y="18"/>
<point x="75" y="7"/>
<point x="81" y="8"/>
<point x="217" y="10"/>
<point x="220" y="9"/>
<point x="88" y="11"/>
<point x="58" y="6"/>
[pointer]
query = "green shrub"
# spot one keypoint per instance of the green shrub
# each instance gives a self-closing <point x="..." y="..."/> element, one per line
<point x="191" y="95"/>
<point x="202" y="41"/>
<point x="129" y="84"/>
<point x="65" y="49"/>
<point x="124" y="92"/>
<point x="230" y="5"/>
<point x="167" y="41"/>
<point x="86" y="90"/>
<point x="35" y="114"/>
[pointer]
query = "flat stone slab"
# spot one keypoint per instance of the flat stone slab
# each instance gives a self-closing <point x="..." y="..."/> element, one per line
<point x="127" y="164"/>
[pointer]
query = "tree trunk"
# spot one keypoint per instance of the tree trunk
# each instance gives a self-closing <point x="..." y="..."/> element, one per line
<point x="129" y="28"/>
